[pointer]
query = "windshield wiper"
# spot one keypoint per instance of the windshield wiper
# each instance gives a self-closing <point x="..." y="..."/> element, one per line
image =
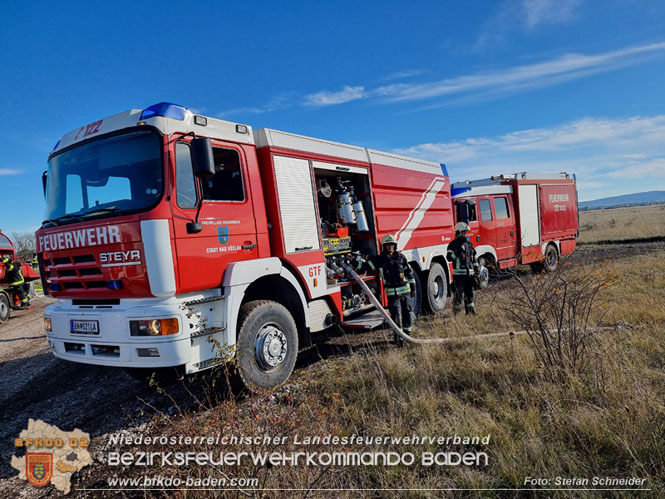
<point x="100" y="211"/>
<point x="63" y="218"/>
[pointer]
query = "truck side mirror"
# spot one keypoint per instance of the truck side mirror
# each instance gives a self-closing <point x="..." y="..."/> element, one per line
<point x="44" y="178"/>
<point x="204" y="162"/>
<point x="463" y="212"/>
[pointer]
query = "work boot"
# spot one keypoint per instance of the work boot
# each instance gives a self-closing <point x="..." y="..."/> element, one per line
<point x="470" y="309"/>
<point x="398" y="340"/>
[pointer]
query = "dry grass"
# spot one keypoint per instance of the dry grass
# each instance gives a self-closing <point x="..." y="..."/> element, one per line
<point x="608" y="421"/>
<point x="618" y="224"/>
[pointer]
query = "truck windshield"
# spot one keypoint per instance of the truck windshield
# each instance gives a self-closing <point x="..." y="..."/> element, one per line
<point x="116" y="175"/>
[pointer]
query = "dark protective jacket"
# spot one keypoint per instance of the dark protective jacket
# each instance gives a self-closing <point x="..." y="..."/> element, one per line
<point x="463" y="256"/>
<point x="14" y="274"/>
<point x="395" y="271"/>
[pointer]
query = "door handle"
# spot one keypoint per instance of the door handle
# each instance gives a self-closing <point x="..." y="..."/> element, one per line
<point x="305" y="248"/>
<point x="248" y="246"/>
<point x="477" y="239"/>
<point x="512" y="232"/>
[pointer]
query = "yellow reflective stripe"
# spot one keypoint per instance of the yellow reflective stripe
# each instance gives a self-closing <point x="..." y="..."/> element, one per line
<point x="17" y="282"/>
<point x="402" y="290"/>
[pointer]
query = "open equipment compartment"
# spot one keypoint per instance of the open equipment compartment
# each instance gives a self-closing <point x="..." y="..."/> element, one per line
<point x="347" y="225"/>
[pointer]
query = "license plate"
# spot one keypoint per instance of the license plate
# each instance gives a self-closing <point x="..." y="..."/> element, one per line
<point x="85" y="327"/>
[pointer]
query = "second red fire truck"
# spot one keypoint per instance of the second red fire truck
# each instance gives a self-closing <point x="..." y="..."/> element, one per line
<point x="519" y="219"/>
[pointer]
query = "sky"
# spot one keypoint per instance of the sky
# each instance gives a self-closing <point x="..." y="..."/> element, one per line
<point x="486" y="87"/>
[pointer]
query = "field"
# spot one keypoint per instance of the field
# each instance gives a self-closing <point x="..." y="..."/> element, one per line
<point x="618" y="224"/>
<point x="590" y="405"/>
<point x="594" y="410"/>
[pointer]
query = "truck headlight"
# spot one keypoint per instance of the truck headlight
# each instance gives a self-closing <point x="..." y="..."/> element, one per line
<point x="47" y="324"/>
<point x="153" y="327"/>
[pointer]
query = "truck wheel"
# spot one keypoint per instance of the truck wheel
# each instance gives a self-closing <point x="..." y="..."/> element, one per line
<point x="551" y="258"/>
<point x="267" y="344"/>
<point x="436" y="290"/>
<point x="484" y="273"/>
<point x="4" y="308"/>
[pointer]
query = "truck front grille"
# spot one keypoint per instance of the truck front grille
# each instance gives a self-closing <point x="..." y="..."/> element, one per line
<point x="77" y="272"/>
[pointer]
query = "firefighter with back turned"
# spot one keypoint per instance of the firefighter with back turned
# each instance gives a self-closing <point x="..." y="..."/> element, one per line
<point x="16" y="280"/>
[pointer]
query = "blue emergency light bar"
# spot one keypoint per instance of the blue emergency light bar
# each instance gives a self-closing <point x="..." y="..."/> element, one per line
<point x="165" y="109"/>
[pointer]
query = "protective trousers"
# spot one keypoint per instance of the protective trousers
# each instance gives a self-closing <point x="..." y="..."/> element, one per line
<point x="401" y="308"/>
<point x="19" y="290"/>
<point x="463" y="291"/>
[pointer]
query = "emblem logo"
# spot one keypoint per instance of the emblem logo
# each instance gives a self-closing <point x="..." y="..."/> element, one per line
<point x="39" y="468"/>
<point x="223" y="235"/>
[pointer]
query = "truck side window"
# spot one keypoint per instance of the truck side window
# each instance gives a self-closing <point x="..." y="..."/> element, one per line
<point x="226" y="184"/>
<point x="501" y="208"/>
<point x="5" y="244"/>
<point x="485" y="210"/>
<point x="186" y="196"/>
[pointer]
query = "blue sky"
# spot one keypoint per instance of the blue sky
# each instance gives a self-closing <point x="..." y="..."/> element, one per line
<point x="486" y="87"/>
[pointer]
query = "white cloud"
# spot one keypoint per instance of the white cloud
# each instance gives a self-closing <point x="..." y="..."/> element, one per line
<point x="495" y="83"/>
<point x="9" y="171"/>
<point x="277" y="103"/>
<point x="326" y="98"/>
<point x="548" y="11"/>
<point x="609" y="156"/>
<point x="524" y="15"/>
<point x="400" y="75"/>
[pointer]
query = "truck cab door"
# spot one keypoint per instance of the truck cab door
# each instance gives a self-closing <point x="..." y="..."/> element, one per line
<point x="486" y="231"/>
<point x="504" y="228"/>
<point x="228" y="224"/>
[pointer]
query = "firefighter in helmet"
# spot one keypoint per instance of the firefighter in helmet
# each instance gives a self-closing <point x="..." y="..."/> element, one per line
<point x="16" y="280"/>
<point x="398" y="281"/>
<point x="463" y="257"/>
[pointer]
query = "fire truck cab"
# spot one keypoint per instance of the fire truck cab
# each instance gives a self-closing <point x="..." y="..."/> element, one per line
<point x="519" y="219"/>
<point x="175" y="239"/>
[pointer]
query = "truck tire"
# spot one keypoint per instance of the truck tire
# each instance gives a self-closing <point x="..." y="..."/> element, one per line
<point x="4" y="307"/>
<point x="436" y="289"/>
<point x="484" y="273"/>
<point x="267" y="344"/>
<point x="551" y="259"/>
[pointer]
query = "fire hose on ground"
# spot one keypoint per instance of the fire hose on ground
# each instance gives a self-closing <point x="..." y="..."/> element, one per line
<point x="428" y="341"/>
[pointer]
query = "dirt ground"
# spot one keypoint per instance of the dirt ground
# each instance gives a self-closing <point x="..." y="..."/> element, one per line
<point x="101" y="400"/>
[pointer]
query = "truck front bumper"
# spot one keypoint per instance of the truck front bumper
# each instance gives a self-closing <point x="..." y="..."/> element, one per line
<point x="113" y="345"/>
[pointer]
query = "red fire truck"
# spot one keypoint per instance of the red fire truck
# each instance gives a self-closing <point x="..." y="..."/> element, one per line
<point x="519" y="219"/>
<point x="175" y="239"/>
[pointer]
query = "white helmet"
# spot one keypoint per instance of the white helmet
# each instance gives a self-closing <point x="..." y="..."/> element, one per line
<point x="461" y="227"/>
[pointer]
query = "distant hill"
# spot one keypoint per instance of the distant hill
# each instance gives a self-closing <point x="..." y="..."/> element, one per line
<point x="638" y="198"/>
